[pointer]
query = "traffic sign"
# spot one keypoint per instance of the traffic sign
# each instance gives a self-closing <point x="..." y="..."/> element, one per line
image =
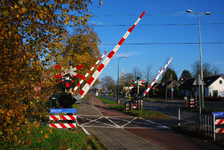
<point x="218" y="114"/>
<point x="63" y="110"/>
<point x="198" y="81"/>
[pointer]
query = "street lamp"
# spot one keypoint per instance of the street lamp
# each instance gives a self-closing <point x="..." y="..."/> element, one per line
<point x="118" y="78"/>
<point x="199" y="29"/>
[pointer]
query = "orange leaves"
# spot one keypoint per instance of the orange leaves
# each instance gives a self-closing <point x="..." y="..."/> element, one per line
<point x="10" y="69"/>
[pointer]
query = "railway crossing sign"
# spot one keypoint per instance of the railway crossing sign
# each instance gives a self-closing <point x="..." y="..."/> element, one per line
<point x="218" y="114"/>
<point x="63" y="110"/>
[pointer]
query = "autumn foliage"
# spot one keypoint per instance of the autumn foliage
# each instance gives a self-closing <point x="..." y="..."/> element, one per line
<point x="31" y="34"/>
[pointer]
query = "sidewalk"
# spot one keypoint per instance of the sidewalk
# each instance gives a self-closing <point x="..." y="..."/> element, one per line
<point x="113" y="138"/>
<point x="131" y="138"/>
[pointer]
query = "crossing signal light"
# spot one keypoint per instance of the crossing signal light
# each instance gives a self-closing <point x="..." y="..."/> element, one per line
<point x="67" y="84"/>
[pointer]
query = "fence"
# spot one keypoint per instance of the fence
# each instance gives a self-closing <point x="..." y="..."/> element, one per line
<point x="196" y="121"/>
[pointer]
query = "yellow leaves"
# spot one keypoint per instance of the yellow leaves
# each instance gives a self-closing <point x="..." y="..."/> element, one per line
<point x="20" y="2"/>
<point x="41" y="132"/>
<point x="46" y="136"/>
<point x="50" y="131"/>
<point x="16" y="6"/>
<point x="9" y="113"/>
<point x="24" y="10"/>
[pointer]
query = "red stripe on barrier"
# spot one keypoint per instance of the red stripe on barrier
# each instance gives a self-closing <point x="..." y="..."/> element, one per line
<point x="100" y="67"/>
<point x="110" y="54"/>
<point x="71" y="125"/>
<point x="63" y="117"/>
<point x="53" y="117"/>
<point x="130" y="29"/>
<point x="53" y="125"/>
<point x="78" y="84"/>
<point x="79" y="76"/>
<point x="142" y="14"/>
<point x="62" y="125"/>
<point x="121" y="41"/>
<point x="72" y="117"/>
<point x="79" y="67"/>
<point x="81" y="92"/>
<point x="90" y="80"/>
<point x="220" y="130"/>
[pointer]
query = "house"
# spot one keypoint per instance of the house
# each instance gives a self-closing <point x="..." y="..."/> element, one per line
<point x="214" y="87"/>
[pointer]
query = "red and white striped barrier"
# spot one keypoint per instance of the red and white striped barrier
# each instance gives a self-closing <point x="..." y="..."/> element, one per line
<point x="105" y="62"/>
<point x="62" y="125"/>
<point x="219" y="121"/>
<point x="62" y="117"/>
<point x="218" y="129"/>
<point x="76" y="87"/>
<point x="154" y="81"/>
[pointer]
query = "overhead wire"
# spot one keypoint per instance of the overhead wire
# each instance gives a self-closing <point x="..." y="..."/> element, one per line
<point x="154" y="25"/>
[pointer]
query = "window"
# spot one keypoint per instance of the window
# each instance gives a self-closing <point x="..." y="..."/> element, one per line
<point x="220" y="81"/>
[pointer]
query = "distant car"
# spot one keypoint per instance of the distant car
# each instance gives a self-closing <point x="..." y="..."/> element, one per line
<point x="105" y="93"/>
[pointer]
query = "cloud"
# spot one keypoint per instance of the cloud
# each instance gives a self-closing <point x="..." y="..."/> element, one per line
<point x="96" y="22"/>
<point x="128" y="54"/>
<point x="219" y="62"/>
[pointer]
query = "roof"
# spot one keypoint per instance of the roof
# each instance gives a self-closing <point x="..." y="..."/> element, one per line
<point x="209" y="80"/>
<point x="188" y="83"/>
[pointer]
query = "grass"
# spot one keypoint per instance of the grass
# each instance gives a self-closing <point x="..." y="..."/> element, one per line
<point x="106" y="101"/>
<point x="155" y="100"/>
<point x="43" y="137"/>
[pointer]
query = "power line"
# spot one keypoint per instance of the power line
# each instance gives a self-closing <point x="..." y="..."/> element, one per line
<point x="161" y="24"/>
<point x="164" y="43"/>
<point x="175" y="14"/>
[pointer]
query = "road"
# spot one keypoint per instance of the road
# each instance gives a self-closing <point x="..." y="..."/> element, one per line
<point x="168" y="108"/>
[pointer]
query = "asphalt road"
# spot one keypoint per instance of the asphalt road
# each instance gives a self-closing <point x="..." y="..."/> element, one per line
<point x="169" y="108"/>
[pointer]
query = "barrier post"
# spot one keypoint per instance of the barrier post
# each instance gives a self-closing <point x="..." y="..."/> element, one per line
<point x="213" y="127"/>
<point x="178" y="117"/>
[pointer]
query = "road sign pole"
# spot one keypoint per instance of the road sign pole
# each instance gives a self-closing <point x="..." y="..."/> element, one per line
<point x="213" y="127"/>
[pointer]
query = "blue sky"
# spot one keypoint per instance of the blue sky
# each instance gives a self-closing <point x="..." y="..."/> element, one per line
<point x="163" y="32"/>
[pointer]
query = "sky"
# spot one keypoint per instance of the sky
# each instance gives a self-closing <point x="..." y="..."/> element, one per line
<point x="166" y="30"/>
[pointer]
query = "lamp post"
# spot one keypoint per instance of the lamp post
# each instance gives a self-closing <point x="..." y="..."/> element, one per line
<point x="118" y="78"/>
<point x="199" y="29"/>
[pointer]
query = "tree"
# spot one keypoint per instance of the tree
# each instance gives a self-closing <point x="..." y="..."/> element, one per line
<point x="108" y="83"/>
<point x="208" y="69"/>
<point x="167" y="77"/>
<point x="137" y="72"/>
<point x="82" y="48"/>
<point x="148" y="76"/>
<point x="128" y="78"/>
<point x="186" y="74"/>
<point x="31" y="32"/>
